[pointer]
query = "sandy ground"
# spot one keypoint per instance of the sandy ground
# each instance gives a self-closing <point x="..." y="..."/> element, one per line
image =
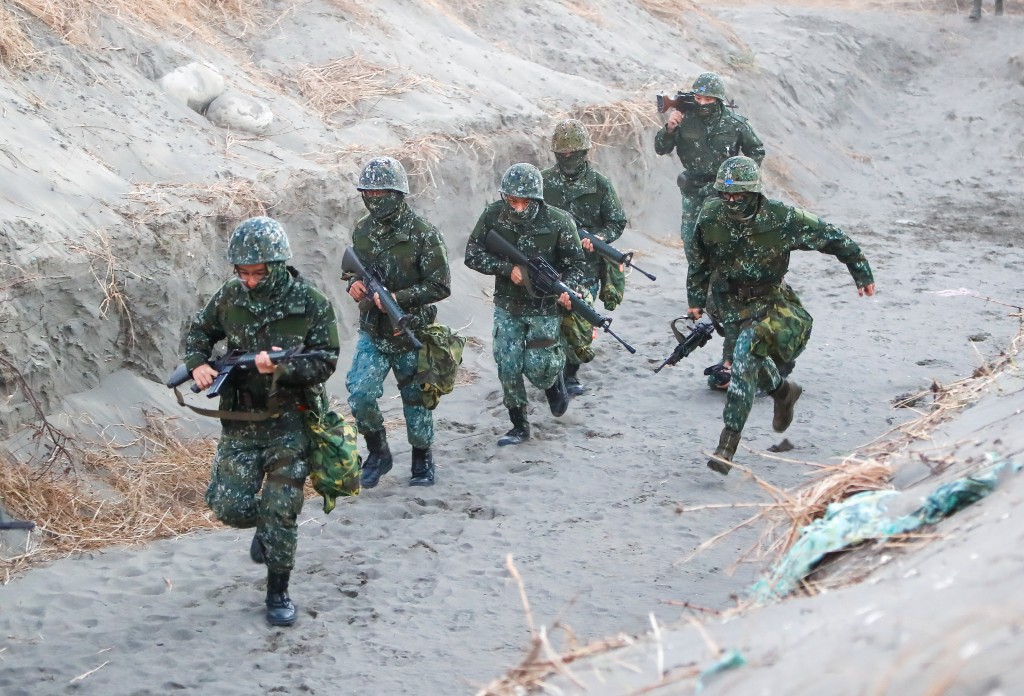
<point x="903" y="127"/>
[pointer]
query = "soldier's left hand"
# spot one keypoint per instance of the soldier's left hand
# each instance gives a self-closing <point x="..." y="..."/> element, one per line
<point x="868" y="290"/>
<point x="565" y="300"/>
<point x="376" y="300"/>
<point x="587" y="244"/>
<point x="263" y="362"/>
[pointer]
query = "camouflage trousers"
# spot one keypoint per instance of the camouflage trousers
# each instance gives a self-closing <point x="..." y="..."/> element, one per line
<point x="280" y="465"/>
<point x="750" y="372"/>
<point x="527" y="345"/>
<point x="693" y="202"/>
<point x="365" y="384"/>
<point x="577" y="334"/>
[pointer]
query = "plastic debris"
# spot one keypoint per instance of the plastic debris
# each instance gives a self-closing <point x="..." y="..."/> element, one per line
<point x="731" y="659"/>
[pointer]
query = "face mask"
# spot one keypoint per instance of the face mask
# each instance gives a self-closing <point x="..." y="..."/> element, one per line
<point x="383" y="207"/>
<point x="708" y="110"/>
<point x="528" y="214"/>
<point x="743" y="209"/>
<point x="571" y="164"/>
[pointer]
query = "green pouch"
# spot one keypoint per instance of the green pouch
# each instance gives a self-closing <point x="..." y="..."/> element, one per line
<point x="439" y="361"/>
<point x="578" y="333"/>
<point x="785" y="329"/>
<point x="335" y="461"/>
<point x="613" y="284"/>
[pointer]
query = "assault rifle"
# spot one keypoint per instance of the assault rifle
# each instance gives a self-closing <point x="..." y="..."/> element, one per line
<point x="700" y="334"/>
<point x="683" y="101"/>
<point x="16" y="524"/>
<point x="237" y="361"/>
<point x="544" y="279"/>
<point x="611" y="253"/>
<point x="352" y="267"/>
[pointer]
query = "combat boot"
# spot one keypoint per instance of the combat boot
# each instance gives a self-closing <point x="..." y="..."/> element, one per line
<point x="520" y="431"/>
<point x="422" y="467"/>
<point x="378" y="462"/>
<point x="999" y="7"/>
<point x="728" y="441"/>
<point x="572" y="382"/>
<point x="975" y="11"/>
<point x="785" y="396"/>
<point x="558" y="397"/>
<point x="280" y="610"/>
<point x="257" y="551"/>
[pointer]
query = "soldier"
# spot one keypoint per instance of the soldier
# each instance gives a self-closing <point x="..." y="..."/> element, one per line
<point x="745" y="239"/>
<point x="577" y="188"/>
<point x="264" y="439"/>
<point x="976" y="10"/>
<point x="526" y="326"/>
<point x="703" y="140"/>
<point x="409" y="254"/>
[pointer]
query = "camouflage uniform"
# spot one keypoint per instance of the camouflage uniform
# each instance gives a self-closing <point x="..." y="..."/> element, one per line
<point x="761" y="314"/>
<point x="408" y="255"/>
<point x="702" y="143"/>
<point x="526" y="328"/>
<point x="282" y="311"/>
<point x="591" y="200"/>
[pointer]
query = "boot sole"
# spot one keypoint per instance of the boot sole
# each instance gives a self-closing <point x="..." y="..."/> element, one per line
<point x="781" y="426"/>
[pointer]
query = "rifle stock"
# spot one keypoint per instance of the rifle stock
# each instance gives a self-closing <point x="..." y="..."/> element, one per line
<point x="545" y="278"/>
<point x="350" y="264"/>
<point x="611" y="253"/>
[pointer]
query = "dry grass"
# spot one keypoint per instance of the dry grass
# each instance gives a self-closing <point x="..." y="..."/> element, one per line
<point x="342" y="84"/>
<point x="111" y="275"/>
<point x="16" y="49"/>
<point x="73" y="20"/>
<point x="584" y="10"/>
<point x="237" y="198"/>
<point x="155" y="492"/>
<point x="668" y="11"/>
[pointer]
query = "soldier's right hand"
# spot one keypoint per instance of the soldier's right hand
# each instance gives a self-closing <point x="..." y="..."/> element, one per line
<point x="695" y="313"/>
<point x="203" y="376"/>
<point x="674" y="119"/>
<point x="357" y="291"/>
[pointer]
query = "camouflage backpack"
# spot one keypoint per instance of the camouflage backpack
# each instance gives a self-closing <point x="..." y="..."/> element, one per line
<point x="613" y="284"/>
<point x="335" y="461"/>
<point x="439" y="361"/>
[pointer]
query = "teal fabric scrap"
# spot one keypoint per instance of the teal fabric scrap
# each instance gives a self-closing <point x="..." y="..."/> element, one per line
<point x="730" y="660"/>
<point x="862" y="517"/>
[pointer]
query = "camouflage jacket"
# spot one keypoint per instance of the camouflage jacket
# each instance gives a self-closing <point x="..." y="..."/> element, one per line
<point x="702" y="145"/>
<point x="591" y="200"/>
<point x="551" y="235"/>
<point x="751" y="258"/>
<point x="410" y="258"/>
<point x="299" y="315"/>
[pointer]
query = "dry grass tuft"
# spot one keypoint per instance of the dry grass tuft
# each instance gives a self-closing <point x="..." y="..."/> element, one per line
<point x="584" y="10"/>
<point x="668" y="11"/>
<point x="153" y="493"/>
<point x="73" y="20"/>
<point x="342" y="84"/>
<point x="16" y="49"/>
<point x="236" y="198"/>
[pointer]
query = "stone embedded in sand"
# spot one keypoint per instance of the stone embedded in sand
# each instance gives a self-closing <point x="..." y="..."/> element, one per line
<point x="240" y="112"/>
<point x="195" y="85"/>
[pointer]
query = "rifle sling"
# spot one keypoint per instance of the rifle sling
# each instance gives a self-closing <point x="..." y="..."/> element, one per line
<point x="254" y="417"/>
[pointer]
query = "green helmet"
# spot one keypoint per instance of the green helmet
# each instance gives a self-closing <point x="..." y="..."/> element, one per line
<point x="570" y="136"/>
<point x="523" y="180"/>
<point x="710" y="85"/>
<point x="383" y="174"/>
<point x="258" y="240"/>
<point x="738" y="175"/>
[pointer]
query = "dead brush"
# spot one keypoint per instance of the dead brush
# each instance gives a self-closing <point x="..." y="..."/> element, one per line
<point x="342" y="84"/>
<point x="584" y="10"/>
<point x="16" y="49"/>
<point x="236" y="198"/>
<point x="73" y="20"/>
<point x="153" y="492"/>
<point x="111" y="275"/>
